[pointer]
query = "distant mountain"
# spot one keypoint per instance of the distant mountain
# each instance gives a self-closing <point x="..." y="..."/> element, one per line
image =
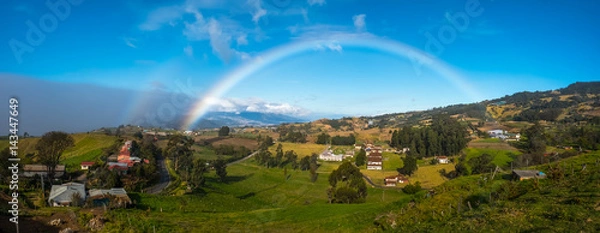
<point x="576" y="103"/>
<point x="45" y="106"/>
<point x="218" y="119"/>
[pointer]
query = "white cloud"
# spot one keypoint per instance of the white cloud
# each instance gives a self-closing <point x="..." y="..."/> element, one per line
<point x="161" y="16"/>
<point x="218" y="32"/>
<point x="242" y="40"/>
<point x="359" y="22"/>
<point x="130" y="42"/>
<point x="316" y="2"/>
<point x="254" y="105"/>
<point x="258" y="11"/>
<point x="189" y="51"/>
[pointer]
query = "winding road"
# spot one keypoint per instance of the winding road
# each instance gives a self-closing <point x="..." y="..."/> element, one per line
<point x="165" y="179"/>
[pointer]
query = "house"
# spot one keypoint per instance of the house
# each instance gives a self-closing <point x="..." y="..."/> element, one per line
<point x="30" y="170"/>
<point x="357" y="146"/>
<point x="349" y="154"/>
<point x="393" y="180"/>
<point x="377" y="149"/>
<point x="328" y="155"/>
<point x="101" y="197"/>
<point x="86" y="165"/>
<point x="443" y="159"/>
<point x="528" y="174"/>
<point x="62" y="195"/>
<point x="374" y="161"/>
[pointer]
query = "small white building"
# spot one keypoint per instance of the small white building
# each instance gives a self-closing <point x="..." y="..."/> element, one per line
<point x="443" y="159"/>
<point x="330" y="156"/>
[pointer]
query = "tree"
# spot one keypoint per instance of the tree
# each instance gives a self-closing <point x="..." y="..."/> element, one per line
<point x="481" y="164"/>
<point x="347" y="184"/>
<point x="313" y="167"/>
<point x="536" y="143"/>
<point x="224" y="131"/>
<point x="323" y="138"/>
<point x="197" y="173"/>
<point x="305" y="163"/>
<point x="361" y="158"/>
<point x="179" y="149"/>
<point x="221" y="169"/>
<point x="412" y="188"/>
<point x="410" y="165"/>
<point x="50" y="148"/>
<point x="4" y="163"/>
<point x="138" y="135"/>
<point x="279" y="154"/>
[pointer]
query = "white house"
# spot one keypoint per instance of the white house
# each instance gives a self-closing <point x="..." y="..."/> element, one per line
<point x="443" y="159"/>
<point x="62" y="195"/>
<point x="330" y="156"/>
<point x="86" y="165"/>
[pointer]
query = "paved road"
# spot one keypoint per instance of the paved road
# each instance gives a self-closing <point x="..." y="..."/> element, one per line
<point x="164" y="181"/>
<point x="243" y="159"/>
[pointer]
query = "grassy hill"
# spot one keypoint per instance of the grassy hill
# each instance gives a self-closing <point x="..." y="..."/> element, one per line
<point x="255" y="198"/>
<point x="569" y="201"/>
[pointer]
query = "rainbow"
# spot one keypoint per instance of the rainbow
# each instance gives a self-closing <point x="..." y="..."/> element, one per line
<point x="418" y="58"/>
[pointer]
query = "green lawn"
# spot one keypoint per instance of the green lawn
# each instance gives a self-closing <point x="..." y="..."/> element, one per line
<point x="502" y="158"/>
<point x="206" y="153"/>
<point x="255" y="198"/>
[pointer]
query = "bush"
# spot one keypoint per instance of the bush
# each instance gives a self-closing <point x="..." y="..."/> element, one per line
<point x="412" y="188"/>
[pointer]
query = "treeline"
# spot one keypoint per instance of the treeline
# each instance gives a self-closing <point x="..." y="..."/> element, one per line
<point x="325" y="138"/>
<point x="289" y="158"/>
<point x="289" y="133"/>
<point x="445" y="136"/>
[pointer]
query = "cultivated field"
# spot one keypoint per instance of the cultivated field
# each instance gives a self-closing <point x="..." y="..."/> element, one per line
<point x="302" y="149"/>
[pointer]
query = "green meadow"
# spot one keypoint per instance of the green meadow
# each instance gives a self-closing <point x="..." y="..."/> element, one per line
<point x="255" y="198"/>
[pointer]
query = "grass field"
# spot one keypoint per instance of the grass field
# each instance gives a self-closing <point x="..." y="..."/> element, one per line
<point x="248" y="143"/>
<point x="502" y="158"/>
<point x="255" y="198"/>
<point x="302" y="149"/>
<point x="85" y="143"/>
<point x="205" y="153"/>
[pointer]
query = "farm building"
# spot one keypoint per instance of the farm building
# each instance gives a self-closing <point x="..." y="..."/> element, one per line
<point x="62" y="195"/>
<point x="86" y="165"/>
<point x="374" y="161"/>
<point x="528" y="174"/>
<point x="102" y="197"/>
<point x="443" y="159"/>
<point x="30" y="170"/>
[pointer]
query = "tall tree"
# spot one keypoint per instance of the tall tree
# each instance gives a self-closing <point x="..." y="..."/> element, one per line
<point x="221" y="169"/>
<point x="347" y="184"/>
<point x="361" y="158"/>
<point x="323" y="138"/>
<point x="410" y="165"/>
<point x="179" y="149"/>
<point x="536" y="143"/>
<point x="50" y="148"/>
<point x="224" y="131"/>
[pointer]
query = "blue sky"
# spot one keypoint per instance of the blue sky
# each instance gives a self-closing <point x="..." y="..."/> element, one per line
<point x="506" y="47"/>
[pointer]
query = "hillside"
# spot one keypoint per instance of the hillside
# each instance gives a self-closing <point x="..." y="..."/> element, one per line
<point x="568" y="201"/>
<point x="579" y="102"/>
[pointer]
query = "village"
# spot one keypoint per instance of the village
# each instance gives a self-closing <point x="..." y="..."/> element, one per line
<point x="74" y="193"/>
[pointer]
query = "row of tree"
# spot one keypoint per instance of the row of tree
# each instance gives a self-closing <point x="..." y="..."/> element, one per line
<point x="445" y="136"/>
<point x="325" y="138"/>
